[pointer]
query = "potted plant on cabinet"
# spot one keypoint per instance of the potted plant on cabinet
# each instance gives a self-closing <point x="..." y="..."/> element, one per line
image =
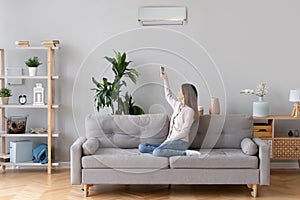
<point x="5" y="93"/>
<point x="33" y="64"/>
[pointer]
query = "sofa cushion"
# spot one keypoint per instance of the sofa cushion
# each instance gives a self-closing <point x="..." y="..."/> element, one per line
<point x="117" y="158"/>
<point x="216" y="159"/>
<point x="90" y="146"/>
<point x="249" y="147"/>
<point x="127" y="131"/>
<point x="219" y="131"/>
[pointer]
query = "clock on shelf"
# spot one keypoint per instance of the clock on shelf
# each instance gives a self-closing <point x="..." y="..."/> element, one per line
<point x="22" y="99"/>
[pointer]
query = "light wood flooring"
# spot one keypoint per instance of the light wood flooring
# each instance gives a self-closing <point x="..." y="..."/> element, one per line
<point x="36" y="184"/>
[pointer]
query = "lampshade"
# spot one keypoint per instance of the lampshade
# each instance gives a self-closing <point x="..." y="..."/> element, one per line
<point x="294" y="95"/>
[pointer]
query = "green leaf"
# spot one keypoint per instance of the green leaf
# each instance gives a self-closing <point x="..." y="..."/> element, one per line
<point x="98" y="85"/>
<point x="132" y="77"/>
<point x="123" y="59"/>
<point x="111" y="60"/>
<point x="133" y="71"/>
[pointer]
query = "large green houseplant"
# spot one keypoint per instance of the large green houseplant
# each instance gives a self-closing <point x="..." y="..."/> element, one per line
<point x="108" y="94"/>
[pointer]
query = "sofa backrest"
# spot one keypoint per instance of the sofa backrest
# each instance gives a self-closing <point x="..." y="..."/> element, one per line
<point x="219" y="131"/>
<point x="127" y="131"/>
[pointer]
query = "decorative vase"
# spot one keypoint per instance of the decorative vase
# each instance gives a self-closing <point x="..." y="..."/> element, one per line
<point x="260" y="108"/>
<point x="296" y="133"/>
<point x="4" y="100"/>
<point x="32" y="71"/>
<point x="290" y="133"/>
<point x="214" y="108"/>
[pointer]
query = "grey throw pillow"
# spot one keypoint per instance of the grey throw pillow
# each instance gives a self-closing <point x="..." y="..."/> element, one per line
<point x="249" y="147"/>
<point x="90" y="146"/>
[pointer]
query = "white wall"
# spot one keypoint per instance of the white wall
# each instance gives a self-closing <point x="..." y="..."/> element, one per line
<point x="249" y="40"/>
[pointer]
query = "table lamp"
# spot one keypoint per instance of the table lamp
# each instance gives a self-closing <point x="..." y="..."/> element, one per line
<point x="295" y="97"/>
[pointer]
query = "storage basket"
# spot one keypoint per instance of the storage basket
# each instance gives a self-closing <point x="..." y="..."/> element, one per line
<point x="16" y="124"/>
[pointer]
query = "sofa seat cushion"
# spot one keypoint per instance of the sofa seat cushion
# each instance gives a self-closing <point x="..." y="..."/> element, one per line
<point x="216" y="159"/>
<point x="115" y="158"/>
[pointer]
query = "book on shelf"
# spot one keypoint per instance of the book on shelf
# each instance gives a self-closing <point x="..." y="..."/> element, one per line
<point x="4" y="157"/>
<point x="22" y="43"/>
<point x="50" y="43"/>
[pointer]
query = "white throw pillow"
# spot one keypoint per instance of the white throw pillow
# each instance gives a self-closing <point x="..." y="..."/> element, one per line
<point x="90" y="146"/>
<point x="249" y="147"/>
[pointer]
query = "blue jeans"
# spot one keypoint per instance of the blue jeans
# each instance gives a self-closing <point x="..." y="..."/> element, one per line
<point x="168" y="149"/>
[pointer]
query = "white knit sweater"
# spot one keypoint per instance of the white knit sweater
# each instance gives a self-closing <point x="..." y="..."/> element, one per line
<point x="181" y="120"/>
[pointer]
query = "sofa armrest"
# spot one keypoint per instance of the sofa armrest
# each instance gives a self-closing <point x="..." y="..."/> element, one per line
<point x="264" y="161"/>
<point x="76" y="154"/>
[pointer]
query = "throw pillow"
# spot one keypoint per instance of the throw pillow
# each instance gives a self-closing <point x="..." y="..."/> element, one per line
<point x="249" y="147"/>
<point x="90" y="146"/>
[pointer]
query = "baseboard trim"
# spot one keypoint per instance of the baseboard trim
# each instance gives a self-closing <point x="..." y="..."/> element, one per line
<point x="274" y="165"/>
<point x="64" y="165"/>
<point x="285" y="164"/>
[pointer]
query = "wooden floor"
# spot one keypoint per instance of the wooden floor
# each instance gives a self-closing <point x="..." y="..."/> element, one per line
<point x="36" y="184"/>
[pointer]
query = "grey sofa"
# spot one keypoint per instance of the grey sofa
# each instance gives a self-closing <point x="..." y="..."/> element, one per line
<point x="108" y="153"/>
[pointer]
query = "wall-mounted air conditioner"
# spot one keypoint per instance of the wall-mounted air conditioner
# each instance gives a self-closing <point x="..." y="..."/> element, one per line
<point x="160" y="15"/>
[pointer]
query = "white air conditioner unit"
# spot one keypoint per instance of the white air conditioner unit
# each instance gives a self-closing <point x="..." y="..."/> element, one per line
<point x="154" y="15"/>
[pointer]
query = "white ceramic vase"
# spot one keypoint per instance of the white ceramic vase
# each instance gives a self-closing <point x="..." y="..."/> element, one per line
<point x="32" y="71"/>
<point x="260" y="108"/>
<point x="214" y="108"/>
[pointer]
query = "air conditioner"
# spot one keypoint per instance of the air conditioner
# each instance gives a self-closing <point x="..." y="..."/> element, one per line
<point x="154" y="15"/>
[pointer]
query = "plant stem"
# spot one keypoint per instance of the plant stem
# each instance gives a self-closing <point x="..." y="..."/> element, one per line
<point x="112" y="108"/>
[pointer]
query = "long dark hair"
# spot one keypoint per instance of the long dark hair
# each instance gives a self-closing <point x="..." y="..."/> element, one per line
<point x="190" y="94"/>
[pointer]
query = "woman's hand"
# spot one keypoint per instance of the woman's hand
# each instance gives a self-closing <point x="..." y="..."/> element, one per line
<point x="164" y="76"/>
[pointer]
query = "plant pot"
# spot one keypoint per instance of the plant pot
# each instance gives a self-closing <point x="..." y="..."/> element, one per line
<point x="4" y="100"/>
<point x="32" y="71"/>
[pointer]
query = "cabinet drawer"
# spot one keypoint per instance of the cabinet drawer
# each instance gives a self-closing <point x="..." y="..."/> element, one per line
<point x="286" y="148"/>
<point x="263" y="127"/>
<point x="262" y="134"/>
<point x="262" y="130"/>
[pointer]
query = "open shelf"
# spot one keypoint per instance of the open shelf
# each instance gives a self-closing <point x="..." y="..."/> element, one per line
<point x="27" y="106"/>
<point x="29" y="164"/>
<point x="277" y="117"/>
<point x="28" y="77"/>
<point x="286" y="137"/>
<point x="54" y="134"/>
<point x="35" y="48"/>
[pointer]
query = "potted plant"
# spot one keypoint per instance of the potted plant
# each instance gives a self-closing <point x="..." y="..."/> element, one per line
<point x="108" y="94"/>
<point x="33" y="64"/>
<point x="5" y="93"/>
<point x="260" y="107"/>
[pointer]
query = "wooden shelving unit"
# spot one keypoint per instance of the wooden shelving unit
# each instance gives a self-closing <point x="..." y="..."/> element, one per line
<point x="52" y="133"/>
<point x="282" y="146"/>
<point x="28" y="77"/>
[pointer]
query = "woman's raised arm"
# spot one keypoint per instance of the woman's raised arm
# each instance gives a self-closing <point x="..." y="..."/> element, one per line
<point x="168" y="94"/>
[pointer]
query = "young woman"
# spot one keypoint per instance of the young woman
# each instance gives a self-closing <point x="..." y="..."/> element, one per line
<point x="185" y="114"/>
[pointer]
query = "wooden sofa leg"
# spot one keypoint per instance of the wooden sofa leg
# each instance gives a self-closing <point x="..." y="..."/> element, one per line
<point x="86" y="189"/>
<point x="254" y="188"/>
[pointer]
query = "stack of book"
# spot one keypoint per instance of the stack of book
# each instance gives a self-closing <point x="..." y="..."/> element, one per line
<point x="4" y="158"/>
<point x="22" y="43"/>
<point x="50" y="43"/>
